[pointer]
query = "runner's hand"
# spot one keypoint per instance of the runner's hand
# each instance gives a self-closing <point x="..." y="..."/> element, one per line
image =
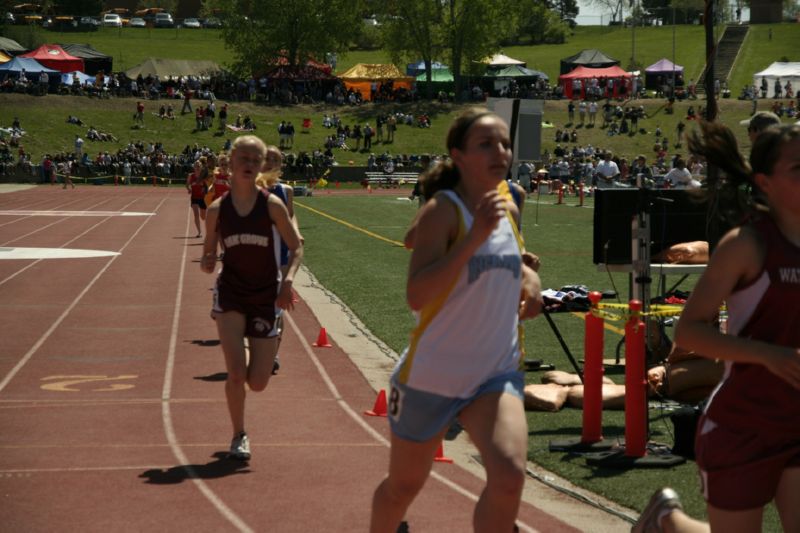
<point x="490" y="209"/>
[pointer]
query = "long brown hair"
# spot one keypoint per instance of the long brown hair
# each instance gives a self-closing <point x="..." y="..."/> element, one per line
<point x="445" y="175"/>
<point x="732" y="193"/>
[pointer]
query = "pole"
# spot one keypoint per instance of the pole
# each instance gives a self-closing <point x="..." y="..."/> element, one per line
<point x="593" y="374"/>
<point x="673" y="50"/>
<point x="633" y="36"/>
<point x="711" y="52"/>
<point x="635" y="384"/>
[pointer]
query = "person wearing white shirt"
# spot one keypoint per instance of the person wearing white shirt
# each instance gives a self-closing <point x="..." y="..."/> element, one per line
<point x="680" y="177"/>
<point x="607" y="171"/>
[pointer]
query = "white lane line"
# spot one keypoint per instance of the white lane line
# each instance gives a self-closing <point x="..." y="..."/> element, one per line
<point x="84" y="213"/>
<point x="37" y="230"/>
<point x="23" y="269"/>
<point x="22" y="362"/>
<point x="357" y="417"/>
<point x="51" y="253"/>
<point x="166" y="413"/>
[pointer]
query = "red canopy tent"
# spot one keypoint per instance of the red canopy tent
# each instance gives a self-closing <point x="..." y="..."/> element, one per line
<point x="281" y="60"/>
<point x="584" y="74"/>
<point x="54" y="57"/>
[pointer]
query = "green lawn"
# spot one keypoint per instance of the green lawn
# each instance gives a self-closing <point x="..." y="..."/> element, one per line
<point x="44" y="119"/>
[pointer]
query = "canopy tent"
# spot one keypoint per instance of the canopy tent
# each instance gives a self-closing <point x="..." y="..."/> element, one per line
<point x="439" y="75"/>
<point x="778" y="71"/>
<point x="281" y="60"/>
<point x="14" y="67"/>
<point x="4" y="58"/>
<point x="67" y="78"/>
<point x="587" y="58"/>
<point x="299" y="73"/>
<point x="53" y="56"/>
<point x="515" y="71"/>
<point x="165" y="68"/>
<point x="498" y="61"/>
<point x="583" y="74"/>
<point x="10" y="45"/>
<point x="94" y="61"/>
<point x="415" y="69"/>
<point x="441" y="80"/>
<point x="660" y="69"/>
<point x="360" y="77"/>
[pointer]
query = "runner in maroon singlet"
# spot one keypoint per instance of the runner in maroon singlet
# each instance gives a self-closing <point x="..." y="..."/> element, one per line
<point x="248" y="224"/>
<point x="748" y="439"/>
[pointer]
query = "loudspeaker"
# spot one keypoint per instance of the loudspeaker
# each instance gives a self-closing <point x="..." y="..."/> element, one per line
<point x="676" y="216"/>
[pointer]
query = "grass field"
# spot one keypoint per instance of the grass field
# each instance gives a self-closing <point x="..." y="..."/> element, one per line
<point x="44" y="119"/>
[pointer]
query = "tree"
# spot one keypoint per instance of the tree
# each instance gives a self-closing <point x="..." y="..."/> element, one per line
<point x="87" y="8"/>
<point x="462" y="32"/>
<point x="167" y="5"/>
<point x="412" y="30"/>
<point x="261" y="31"/>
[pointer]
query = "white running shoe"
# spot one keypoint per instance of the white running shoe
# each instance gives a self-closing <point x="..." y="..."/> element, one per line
<point x="662" y="500"/>
<point x="240" y="447"/>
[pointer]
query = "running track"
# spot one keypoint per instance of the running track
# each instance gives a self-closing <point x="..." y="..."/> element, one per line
<point x="112" y="410"/>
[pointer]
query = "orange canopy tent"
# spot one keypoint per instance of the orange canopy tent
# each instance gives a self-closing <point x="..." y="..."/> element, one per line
<point x="361" y="76"/>
<point x="54" y="57"/>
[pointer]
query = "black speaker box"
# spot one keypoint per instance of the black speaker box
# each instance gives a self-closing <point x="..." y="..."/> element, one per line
<point x="676" y="216"/>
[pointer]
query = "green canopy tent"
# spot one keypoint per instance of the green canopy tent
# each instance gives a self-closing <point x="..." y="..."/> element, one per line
<point x="441" y="80"/>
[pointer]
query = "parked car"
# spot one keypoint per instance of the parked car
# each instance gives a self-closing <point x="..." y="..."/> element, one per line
<point x="137" y="22"/>
<point x="191" y="23"/>
<point x="212" y="22"/>
<point x="88" y="24"/>
<point x="163" y="20"/>
<point x="112" y="20"/>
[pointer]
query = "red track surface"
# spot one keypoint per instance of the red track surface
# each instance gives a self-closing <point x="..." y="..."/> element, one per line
<point x="112" y="411"/>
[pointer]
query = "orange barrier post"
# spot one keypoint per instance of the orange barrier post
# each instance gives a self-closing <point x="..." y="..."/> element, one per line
<point x="593" y="374"/>
<point x="580" y="193"/>
<point x="379" y="409"/>
<point x="116" y="180"/>
<point x="560" y="194"/>
<point x="635" y="384"/>
<point x="154" y="181"/>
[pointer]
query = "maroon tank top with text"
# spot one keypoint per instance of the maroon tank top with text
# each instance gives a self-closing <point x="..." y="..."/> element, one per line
<point x="250" y="245"/>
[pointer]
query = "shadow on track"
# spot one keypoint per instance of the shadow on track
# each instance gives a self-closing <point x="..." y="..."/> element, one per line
<point x="221" y="466"/>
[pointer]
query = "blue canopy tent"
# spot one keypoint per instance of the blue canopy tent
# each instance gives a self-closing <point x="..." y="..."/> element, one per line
<point x="31" y="67"/>
<point x="415" y="69"/>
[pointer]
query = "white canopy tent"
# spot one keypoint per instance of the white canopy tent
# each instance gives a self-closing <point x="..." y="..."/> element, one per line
<point x="784" y="71"/>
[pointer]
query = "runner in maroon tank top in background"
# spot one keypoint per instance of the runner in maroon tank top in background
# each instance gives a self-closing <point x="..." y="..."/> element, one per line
<point x="248" y="225"/>
<point x="748" y="439"/>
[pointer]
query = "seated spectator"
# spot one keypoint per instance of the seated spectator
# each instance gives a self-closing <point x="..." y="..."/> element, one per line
<point x="74" y="120"/>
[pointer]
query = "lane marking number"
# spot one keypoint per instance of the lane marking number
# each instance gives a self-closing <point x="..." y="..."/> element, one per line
<point x="68" y="383"/>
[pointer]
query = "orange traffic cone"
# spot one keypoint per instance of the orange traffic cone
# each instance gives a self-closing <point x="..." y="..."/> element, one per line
<point x="379" y="409"/>
<point x="322" y="339"/>
<point x="440" y="458"/>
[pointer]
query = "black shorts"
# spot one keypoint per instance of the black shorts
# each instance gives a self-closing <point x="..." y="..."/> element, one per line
<point x="261" y="321"/>
<point x="198" y="202"/>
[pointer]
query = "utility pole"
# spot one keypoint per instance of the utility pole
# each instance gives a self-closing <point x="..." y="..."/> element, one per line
<point x="711" y="54"/>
